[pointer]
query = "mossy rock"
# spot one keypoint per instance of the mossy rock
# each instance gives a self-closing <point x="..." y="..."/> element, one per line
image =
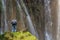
<point x="17" y="36"/>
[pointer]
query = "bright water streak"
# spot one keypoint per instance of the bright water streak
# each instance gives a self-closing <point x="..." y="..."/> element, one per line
<point x="31" y="27"/>
<point x="48" y="22"/>
<point x="1" y="32"/>
<point x="21" y="14"/>
<point x="4" y="12"/>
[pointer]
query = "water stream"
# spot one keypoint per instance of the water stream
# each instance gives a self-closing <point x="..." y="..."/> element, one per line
<point x="5" y="16"/>
<point x="48" y="21"/>
<point x="21" y="14"/>
<point x="31" y="27"/>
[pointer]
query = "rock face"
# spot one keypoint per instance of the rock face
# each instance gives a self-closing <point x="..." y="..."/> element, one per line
<point x="58" y="13"/>
<point x="36" y="9"/>
<point x="37" y="12"/>
<point x="54" y="5"/>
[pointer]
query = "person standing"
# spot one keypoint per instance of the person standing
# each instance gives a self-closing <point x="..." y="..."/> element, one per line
<point x="14" y="24"/>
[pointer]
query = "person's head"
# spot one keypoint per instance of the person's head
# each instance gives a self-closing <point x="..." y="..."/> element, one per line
<point x="14" y="22"/>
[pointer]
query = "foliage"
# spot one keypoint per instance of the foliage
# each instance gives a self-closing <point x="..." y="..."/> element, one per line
<point x="17" y="36"/>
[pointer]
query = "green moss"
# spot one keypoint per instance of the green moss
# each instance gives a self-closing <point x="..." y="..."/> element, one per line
<point x="17" y="36"/>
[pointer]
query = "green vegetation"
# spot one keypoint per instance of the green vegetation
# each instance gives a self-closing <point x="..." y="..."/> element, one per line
<point x="17" y="36"/>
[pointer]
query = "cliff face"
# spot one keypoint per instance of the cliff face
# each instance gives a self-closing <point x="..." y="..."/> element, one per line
<point x="13" y="12"/>
<point x="54" y="12"/>
<point x="37" y="13"/>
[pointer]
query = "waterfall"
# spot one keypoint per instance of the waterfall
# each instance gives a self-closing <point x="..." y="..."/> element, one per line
<point x="48" y="21"/>
<point x="5" y="16"/>
<point x="31" y="27"/>
<point x="0" y="30"/>
<point x="21" y="14"/>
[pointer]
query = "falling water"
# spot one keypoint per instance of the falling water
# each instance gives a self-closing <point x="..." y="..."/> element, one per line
<point x="0" y="30"/>
<point x="4" y="12"/>
<point x="48" y="21"/>
<point x="31" y="27"/>
<point x="21" y="13"/>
